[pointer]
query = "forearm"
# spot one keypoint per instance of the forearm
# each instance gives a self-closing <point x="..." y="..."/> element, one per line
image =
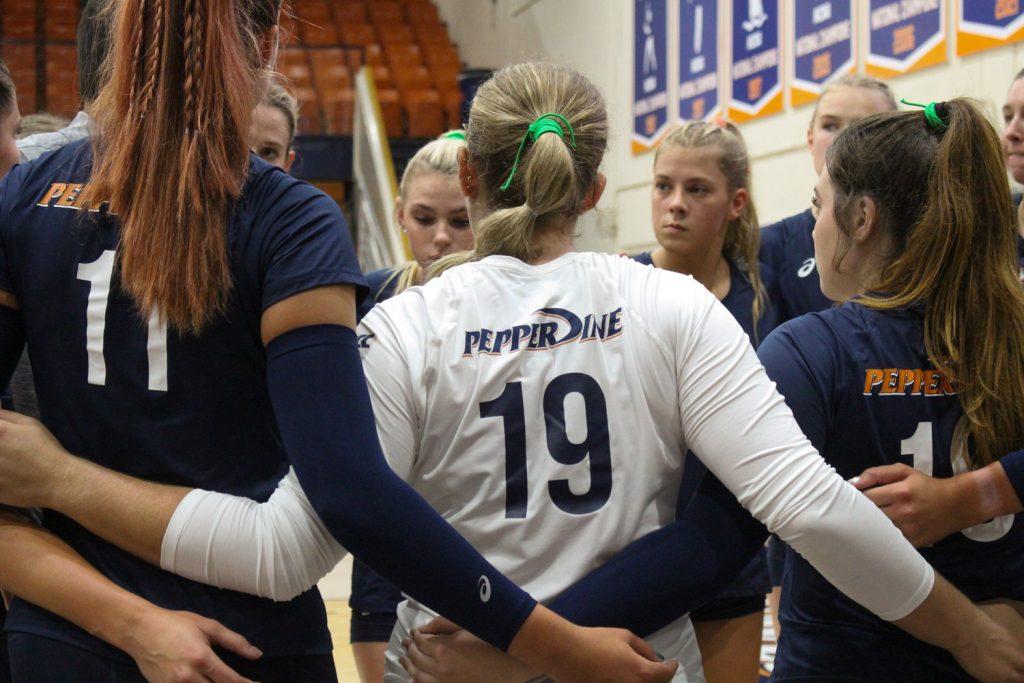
<point x="130" y="513"/>
<point x="945" y="619"/>
<point x="40" y="568"/>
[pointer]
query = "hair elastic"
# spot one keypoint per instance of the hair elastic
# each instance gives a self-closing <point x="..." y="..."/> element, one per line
<point x="454" y="135"/>
<point x="545" y="123"/>
<point x="933" y="113"/>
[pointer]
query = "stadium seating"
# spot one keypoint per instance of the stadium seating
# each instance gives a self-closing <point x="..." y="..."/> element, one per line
<point x="324" y="43"/>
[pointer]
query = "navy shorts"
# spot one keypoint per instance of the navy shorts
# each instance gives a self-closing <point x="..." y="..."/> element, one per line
<point x="374" y="603"/>
<point x="746" y="595"/>
<point x="35" y="659"/>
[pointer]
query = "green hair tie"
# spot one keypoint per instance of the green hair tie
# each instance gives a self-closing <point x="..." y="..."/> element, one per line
<point x="545" y="123"/>
<point x="454" y="135"/>
<point x="931" y="113"/>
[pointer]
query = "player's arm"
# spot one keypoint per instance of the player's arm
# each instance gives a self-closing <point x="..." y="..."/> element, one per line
<point x="927" y="509"/>
<point x="38" y="567"/>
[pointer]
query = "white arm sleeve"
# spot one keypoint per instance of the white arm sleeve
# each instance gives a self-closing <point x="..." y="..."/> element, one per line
<point x="742" y="429"/>
<point x="277" y="550"/>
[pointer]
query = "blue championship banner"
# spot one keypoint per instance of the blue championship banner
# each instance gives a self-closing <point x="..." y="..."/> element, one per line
<point x="823" y="47"/>
<point x="985" y="24"/>
<point x="905" y="36"/>
<point x="698" y="59"/>
<point x="756" y="71"/>
<point x="650" y="73"/>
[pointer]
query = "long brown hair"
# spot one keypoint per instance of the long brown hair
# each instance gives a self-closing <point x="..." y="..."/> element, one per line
<point x="944" y="202"/>
<point x="553" y="178"/>
<point x="173" y="151"/>
<point x="743" y="234"/>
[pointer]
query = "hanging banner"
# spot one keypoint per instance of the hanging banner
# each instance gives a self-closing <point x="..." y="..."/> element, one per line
<point x="985" y="24"/>
<point x="650" y="73"/>
<point x="823" y="47"/>
<point x="698" y="59"/>
<point x="905" y="36"/>
<point x="756" y="71"/>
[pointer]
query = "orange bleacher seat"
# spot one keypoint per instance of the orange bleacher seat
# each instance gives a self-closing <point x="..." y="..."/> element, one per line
<point x="395" y="34"/>
<point x="445" y="77"/>
<point x="294" y="65"/>
<point x="386" y="11"/>
<point x="391" y="110"/>
<point x="421" y="12"/>
<point x="347" y="12"/>
<point x="358" y="34"/>
<point x="412" y="78"/>
<point x="339" y="110"/>
<point x="382" y="77"/>
<point x="440" y="57"/>
<point x="372" y="55"/>
<point x="403" y="60"/>
<point x="316" y="33"/>
<point x="451" y="100"/>
<point x="309" y="110"/>
<point x="424" y="113"/>
<point x="18" y="21"/>
<point x="330" y="68"/>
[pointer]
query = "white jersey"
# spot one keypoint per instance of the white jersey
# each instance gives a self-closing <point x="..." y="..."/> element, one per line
<point x="545" y="412"/>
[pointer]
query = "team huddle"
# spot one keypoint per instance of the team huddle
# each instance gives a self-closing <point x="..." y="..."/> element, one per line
<point x="549" y="464"/>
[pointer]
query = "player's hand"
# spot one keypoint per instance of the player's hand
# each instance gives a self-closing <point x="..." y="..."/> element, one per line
<point x="992" y="653"/>
<point x="607" y="655"/>
<point x="177" y="647"/>
<point x="443" y="653"/>
<point x="32" y="461"/>
<point x="925" y="509"/>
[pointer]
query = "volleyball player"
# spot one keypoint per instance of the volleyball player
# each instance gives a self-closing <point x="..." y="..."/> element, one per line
<point x="226" y="323"/>
<point x="599" y="374"/>
<point x="10" y="121"/>
<point x="273" y="127"/>
<point x="706" y="226"/>
<point x="920" y="366"/>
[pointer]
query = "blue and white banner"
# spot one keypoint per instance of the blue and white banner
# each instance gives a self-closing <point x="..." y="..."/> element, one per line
<point x="699" y="81"/>
<point x="905" y="36"/>
<point x="650" y="73"/>
<point x="823" y="47"/>
<point x="985" y="24"/>
<point x="756" y="71"/>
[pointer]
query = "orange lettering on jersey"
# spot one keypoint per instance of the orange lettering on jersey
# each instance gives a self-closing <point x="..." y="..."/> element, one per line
<point x="906" y="379"/>
<point x="918" y="382"/>
<point x="70" y="196"/>
<point x="891" y="385"/>
<point x="56" y="190"/>
<point x="932" y="383"/>
<point x="947" y="387"/>
<point x="872" y="378"/>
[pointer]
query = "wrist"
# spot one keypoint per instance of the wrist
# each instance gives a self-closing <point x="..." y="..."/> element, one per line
<point x="122" y="621"/>
<point x="545" y="642"/>
<point x="66" y="485"/>
<point x="971" y="505"/>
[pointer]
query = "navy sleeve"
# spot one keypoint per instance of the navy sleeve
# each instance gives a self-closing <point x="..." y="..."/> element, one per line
<point x="772" y="256"/>
<point x="323" y="410"/>
<point x="669" y="572"/>
<point x="1013" y="464"/>
<point x="797" y="359"/>
<point x="307" y="243"/>
<point x="8" y="190"/>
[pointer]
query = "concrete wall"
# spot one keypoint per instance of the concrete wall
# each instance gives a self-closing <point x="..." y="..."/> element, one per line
<point x="595" y="37"/>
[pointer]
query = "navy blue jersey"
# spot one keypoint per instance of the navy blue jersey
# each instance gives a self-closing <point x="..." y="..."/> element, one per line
<point x="131" y="395"/>
<point x="861" y="387"/>
<point x="740" y="299"/>
<point x="787" y="249"/>
<point x="382" y="284"/>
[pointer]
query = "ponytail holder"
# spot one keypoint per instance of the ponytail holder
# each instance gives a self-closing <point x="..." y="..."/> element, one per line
<point x="454" y="135"/>
<point x="720" y="122"/>
<point x="545" y="123"/>
<point x="933" y="113"/>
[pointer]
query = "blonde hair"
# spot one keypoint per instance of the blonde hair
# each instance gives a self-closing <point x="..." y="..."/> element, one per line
<point x="857" y="81"/>
<point x="553" y="177"/>
<point x="437" y="156"/>
<point x="278" y="97"/>
<point x="743" y="234"/>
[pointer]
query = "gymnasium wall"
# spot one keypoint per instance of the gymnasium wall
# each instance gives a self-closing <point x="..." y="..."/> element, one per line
<point x="595" y="37"/>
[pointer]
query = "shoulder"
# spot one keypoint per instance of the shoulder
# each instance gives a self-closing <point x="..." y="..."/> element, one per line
<point x="821" y="337"/>
<point x="381" y="283"/>
<point x="36" y="145"/>
<point x="782" y="231"/>
<point x="643" y="258"/>
<point x="27" y="183"/>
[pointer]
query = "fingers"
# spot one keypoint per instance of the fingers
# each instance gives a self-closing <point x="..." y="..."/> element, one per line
<point x="440" y="626"/>
<point x="662" y="671"/>
<point x="224" y="637"/>
<point x="879" y="476"/>
<point x="418" y="675"/>
<point x="16" y="418"/>
<point x="641" y="647"/>
<point x="885" y="496"/>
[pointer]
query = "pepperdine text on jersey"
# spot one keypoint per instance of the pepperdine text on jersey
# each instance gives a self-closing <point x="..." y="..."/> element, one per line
<point x="545" y="335"/>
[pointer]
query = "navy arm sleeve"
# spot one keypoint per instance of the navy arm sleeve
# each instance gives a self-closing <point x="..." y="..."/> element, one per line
<point x="667" y="573"/>
<point x="1013" y="464"/>
<point x="324" y="413"/>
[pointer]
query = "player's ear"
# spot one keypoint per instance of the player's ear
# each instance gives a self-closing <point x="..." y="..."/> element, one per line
<point x="469" y="180"/>
<point x="865" y="219"/>
<point x="738" y="203"/>
<point x="593" y="195"/>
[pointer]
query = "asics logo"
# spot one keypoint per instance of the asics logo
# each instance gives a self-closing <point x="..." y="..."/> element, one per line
<point x="806" y="268"/>
<point x="485" y="589"/>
